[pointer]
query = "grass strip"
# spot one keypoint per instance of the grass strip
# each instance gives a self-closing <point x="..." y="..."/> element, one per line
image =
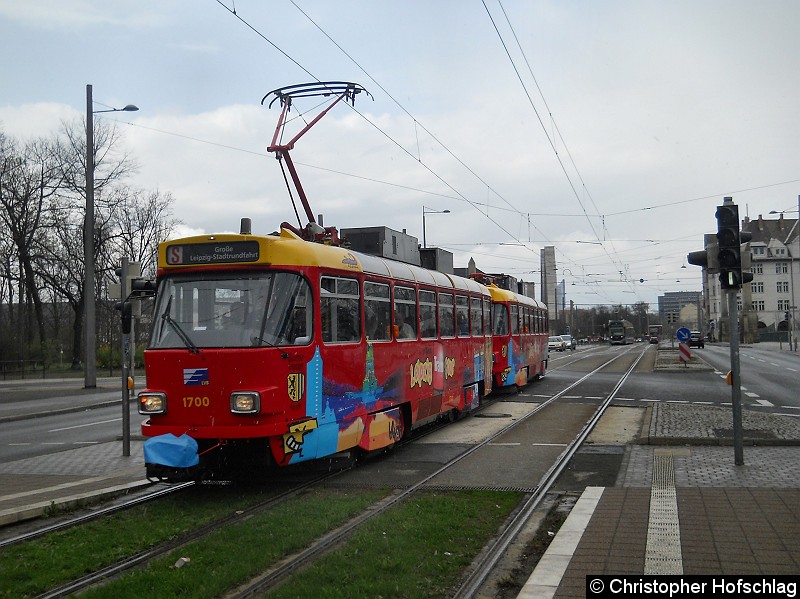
<point x="30" y="568"/>
<point x="419" y="549"/>
<point x="238" y="552"/>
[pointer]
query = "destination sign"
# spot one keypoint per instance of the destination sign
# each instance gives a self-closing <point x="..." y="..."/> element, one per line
<point x="212" y="253"/>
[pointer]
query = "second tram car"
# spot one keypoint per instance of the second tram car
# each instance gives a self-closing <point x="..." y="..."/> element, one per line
<point x="620" y="332"/>
<point x="279" y="350"/>
<point x="519" y="338"/>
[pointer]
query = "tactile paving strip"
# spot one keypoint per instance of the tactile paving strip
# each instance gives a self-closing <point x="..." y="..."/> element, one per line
<point x="663" y="554"/>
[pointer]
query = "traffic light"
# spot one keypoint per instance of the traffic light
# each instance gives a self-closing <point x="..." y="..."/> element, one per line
<point x="730" y="240"/>
<point x="707" y="258"/>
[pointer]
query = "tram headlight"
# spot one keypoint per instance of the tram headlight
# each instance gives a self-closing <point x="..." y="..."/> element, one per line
<point x="245" y="402"/>
<point x="152" y="403"/>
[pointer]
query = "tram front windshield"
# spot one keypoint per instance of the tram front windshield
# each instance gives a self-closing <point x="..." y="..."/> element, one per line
<point x="240" y="310"/>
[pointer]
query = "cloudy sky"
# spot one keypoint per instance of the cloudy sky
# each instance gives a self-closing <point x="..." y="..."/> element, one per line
<point x="607" y="129"/>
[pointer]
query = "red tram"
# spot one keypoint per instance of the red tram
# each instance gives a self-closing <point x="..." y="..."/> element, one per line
<point x="283" y="350"/>
<point x="519" y="332"/>
<point x="274" y="350"/>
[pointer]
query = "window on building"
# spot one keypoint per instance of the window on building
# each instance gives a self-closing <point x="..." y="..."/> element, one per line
<point x="783" y="286"/>
<point x="758" y="269"/>
<point x="783" y="304"/>
<point x="781" y="268"/>
<point x="759" y="250"/>
<point x="757" y="287"/>
<point x="758" y="305"/>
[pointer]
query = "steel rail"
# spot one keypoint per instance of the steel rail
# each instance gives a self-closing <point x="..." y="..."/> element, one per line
<point x="39" y="532"/>
<point x="294" y="562"/>
<point x="472" y="584"/>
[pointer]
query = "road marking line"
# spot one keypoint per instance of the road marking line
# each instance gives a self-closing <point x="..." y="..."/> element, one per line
<point x="543" y="582"/>
<point x="67" y="428"/>
<point x="751" y="394"/>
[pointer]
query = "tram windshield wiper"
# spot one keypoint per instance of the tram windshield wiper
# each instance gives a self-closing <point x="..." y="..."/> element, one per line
<point x="177" y="328"/>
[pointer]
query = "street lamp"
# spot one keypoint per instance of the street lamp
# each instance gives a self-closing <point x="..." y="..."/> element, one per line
<point x="90" y="371"/>
<point x="429" y="211"/>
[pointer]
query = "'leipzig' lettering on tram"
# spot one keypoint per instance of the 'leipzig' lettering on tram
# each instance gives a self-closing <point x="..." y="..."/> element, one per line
<point x="421" y="372"/>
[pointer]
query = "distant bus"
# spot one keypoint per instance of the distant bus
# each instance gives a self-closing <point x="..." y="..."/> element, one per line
<point x="654" y="333"/>
<point x="620" y="332"/>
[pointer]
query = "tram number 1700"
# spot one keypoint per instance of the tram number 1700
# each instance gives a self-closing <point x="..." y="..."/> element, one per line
<point x="196" y="402"/>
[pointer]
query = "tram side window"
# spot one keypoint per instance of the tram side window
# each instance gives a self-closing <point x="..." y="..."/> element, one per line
<point x="475" y="316"/>
<point x="377" y="311"/>
<point x="447" y="327"/>
<point x="514" y="319"/>
<point x="427" y="314"/>
<point x="462" y="315"/>
<point x="499" y="319"/>
<point x="487" y="312"/>
<point x="405" y="312"/>
<point x="339" y="308"/>
<point x="526" y="319"/>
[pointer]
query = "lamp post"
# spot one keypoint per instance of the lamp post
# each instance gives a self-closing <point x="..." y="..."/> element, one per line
<point x="429" y="211"/>
<point x="90" y="369"/>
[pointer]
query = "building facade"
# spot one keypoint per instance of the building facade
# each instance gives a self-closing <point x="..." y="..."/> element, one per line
<point x="774" y="251"/>
<point x="681" y="309"/>
<point x="768" y="305"/>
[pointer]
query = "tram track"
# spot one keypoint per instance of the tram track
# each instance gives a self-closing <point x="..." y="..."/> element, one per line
<point x="489" y="559"/>
<point x="140" y="558"/>
<point x="295" y="562"/>
<point x="478" y="575"/>
<point x="158" y="493"/>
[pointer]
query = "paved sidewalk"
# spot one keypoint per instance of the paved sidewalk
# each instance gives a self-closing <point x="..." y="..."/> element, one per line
<point x="719" y="518"/>
<point x="34" y="486"/>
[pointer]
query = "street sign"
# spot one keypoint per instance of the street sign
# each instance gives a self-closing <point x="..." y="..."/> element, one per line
<point x="683" y="334"/>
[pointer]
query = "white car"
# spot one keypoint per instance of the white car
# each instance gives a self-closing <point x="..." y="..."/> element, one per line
<point x="556" y="343"/>
<point x="569" y="341"/>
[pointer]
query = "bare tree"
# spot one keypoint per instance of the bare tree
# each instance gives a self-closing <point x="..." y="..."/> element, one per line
<point x="62" y="263"/>
<point x="29" y="176"/>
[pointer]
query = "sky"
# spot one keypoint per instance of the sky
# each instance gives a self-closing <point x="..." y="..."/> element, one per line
<point x="608" y="129"/>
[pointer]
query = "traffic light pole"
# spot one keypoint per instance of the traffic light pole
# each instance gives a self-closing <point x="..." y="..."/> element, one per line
<point x="736" y="380"/>
<point x="126" y="410"/>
